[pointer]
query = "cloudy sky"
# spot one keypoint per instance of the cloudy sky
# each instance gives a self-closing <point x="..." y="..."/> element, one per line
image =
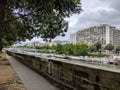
<point x="95" y="12"/>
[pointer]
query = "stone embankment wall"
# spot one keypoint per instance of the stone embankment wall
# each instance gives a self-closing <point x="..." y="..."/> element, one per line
<point x="69" y="76"/>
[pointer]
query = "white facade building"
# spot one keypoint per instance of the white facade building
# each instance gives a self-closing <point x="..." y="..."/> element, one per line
<point x="104" y="34"/>
<point x="73" y="38"/>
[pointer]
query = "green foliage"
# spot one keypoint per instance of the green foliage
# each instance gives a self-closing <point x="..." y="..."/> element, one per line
<point x="68" y="49"/>
<point x="5" y="43"/>
<point x="44" y="51"/>
<point x="75" y="1"/>
<point x="40" y="17"/>
<point x="59" y="49"/>
<point x="45" y="47"/>
<point x="80" y="49"/>
<point x="109" y="47"/>
<point x="53" y="47"/>
<point x="117" y="49"/>
<point x="92" y="48"/>
<point x="98" y="55"/>
<point x="98" y="45"/>
<point x="25" y="19"/>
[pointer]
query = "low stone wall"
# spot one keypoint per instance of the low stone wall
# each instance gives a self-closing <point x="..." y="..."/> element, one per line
<point x="69" y="76"/>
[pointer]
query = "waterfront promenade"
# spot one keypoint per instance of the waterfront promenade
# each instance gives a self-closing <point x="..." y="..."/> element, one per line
<point x="31" y="79"/>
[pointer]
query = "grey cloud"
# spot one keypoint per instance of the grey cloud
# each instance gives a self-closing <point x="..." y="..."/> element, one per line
<point x="95" y="12"/>
<point x="101" y="16"/>
<point x="115" y="4"/>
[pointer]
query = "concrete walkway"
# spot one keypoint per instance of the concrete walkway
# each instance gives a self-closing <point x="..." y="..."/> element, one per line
<point x="30" y="78"/>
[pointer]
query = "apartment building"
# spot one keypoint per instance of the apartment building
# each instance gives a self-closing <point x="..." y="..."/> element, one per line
<point x="73" y="38"/>
<point x="104" y="34"/>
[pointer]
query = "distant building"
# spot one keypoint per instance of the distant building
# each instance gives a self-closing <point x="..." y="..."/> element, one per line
<point x="35" y="43"/>
<point x="57" y="42"/>
<point x="73" y="38"/>
<point x="104" y="34"/>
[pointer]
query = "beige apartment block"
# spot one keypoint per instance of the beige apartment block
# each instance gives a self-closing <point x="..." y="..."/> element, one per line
<point x="104" y="34"/>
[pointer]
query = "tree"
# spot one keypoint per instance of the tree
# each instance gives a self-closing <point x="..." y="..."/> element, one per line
<point x="109" y="47"/>
<point x="98" y="45"/>
<point x="68" y="49"/>
<point x="5" y="43"/>
<point x="92" y="48"/>
<point x="59" y="49"/>
<point x="80" y="49"/>
<point x="118" y="49"/>
<point x="30" y="18"/>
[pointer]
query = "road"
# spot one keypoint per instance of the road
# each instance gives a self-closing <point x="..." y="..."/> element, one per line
<point x="31" y="79"/>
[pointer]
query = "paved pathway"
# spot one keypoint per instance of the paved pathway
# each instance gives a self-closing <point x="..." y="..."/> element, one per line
<point x="30" y="78"/>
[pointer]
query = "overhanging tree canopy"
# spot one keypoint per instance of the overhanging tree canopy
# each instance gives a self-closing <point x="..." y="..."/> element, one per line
<point x="29" y="18"/>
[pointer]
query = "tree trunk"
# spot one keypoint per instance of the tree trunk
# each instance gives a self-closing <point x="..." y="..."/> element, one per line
<point x="2" y="17"/>
<point x="1" y="46"/>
